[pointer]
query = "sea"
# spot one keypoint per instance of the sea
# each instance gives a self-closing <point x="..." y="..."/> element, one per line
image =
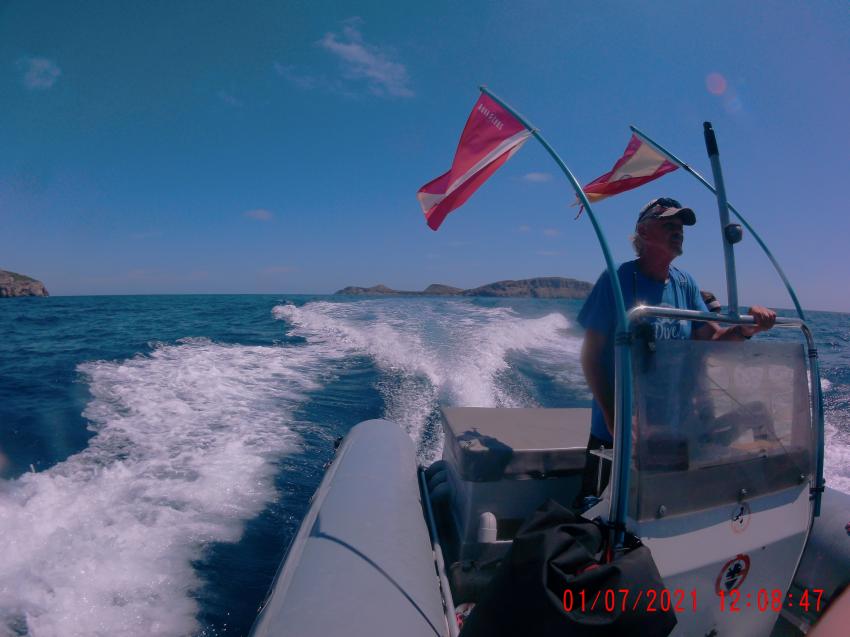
<point x="157" y="453"/>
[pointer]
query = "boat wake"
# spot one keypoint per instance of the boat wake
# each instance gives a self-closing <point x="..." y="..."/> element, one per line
<point x="440" y="353"/>
<point x="103" y="543"/>
<point x="836" y="435"/>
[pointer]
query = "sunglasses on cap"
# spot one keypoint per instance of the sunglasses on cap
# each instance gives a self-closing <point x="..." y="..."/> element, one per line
<point x="666" y="207"/>
<point x="662" y="203"/>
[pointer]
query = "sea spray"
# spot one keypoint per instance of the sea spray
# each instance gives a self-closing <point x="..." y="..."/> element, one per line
<point x="440" y="352"/>
<point x="103" y="543"/>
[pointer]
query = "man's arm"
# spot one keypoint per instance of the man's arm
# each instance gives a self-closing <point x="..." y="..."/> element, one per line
<point x="710" y="331"/>
<point x="592" y="352"/>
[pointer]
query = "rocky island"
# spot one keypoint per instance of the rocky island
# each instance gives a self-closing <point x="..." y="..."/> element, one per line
<point x="547" y="287"/>
<point x="14" y="284"/>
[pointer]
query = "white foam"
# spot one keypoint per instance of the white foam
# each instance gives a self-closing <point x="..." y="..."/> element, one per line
<point x="102" y="543"/>
<point x="836" y="469"/>
<point x="451" y="352"/>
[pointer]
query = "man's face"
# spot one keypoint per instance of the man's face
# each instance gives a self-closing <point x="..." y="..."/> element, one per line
<point x="662" y="236"/>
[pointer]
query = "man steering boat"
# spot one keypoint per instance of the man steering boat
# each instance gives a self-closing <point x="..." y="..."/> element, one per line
<point x="650" y="279"/>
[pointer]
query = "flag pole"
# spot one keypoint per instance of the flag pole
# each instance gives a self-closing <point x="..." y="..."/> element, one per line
<point x="688" y="169"/>
<point x="622" y="351"/>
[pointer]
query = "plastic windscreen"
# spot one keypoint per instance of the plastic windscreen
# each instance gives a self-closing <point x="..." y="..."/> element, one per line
<point x="722" y="416"/>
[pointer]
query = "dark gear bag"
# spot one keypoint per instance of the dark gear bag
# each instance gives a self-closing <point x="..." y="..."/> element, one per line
<point x="552" y="559"/>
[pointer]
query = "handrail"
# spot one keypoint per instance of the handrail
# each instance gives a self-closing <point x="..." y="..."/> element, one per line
<point x="641" y="311"/>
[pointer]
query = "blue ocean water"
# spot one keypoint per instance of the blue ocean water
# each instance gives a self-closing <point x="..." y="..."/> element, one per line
<point x="157" y="453"/>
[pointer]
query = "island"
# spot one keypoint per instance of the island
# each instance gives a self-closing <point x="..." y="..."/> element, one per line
<point x="14" y="284"/>
<point x="546" y="287"/>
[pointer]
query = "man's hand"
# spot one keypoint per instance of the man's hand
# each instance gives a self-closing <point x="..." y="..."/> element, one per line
<point x="710" y="331"/>
<point x="765" y="317"/>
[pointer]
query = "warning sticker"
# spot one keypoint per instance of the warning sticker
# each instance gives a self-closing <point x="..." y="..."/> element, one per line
<point x="733" y="574"/>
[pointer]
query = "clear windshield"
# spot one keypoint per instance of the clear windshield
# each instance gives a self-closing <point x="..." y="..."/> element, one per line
<point x="712" y="418"/>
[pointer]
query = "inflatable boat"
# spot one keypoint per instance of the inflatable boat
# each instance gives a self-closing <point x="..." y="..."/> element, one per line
<point x="390" y="548"/>
<point x="716" y="485"/>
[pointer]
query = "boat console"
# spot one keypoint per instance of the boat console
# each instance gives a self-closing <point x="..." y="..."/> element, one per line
<point x="723" y="455"/>
<point x="498" y="466"/>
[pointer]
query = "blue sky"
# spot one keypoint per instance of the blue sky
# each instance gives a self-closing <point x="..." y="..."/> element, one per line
<point x="166" y="147"/>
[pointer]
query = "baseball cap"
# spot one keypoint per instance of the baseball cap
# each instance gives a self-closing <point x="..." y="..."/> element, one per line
<point x="663" y="207"/>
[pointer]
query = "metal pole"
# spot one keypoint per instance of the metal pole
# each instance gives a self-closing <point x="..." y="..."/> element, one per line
<point x="817" y="408"/>
<point x="622" y="351"/>
<point x="726" y="229"/>
<point x="687" y="168"/>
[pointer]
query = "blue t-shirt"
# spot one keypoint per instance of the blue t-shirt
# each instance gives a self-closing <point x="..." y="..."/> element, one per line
<point x="599" y="313"/>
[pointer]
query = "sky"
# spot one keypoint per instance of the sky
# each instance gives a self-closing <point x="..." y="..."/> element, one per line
<point x="277" y="147"/>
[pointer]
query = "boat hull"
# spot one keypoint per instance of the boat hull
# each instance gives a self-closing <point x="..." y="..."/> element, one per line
<point x="362" y="562"/>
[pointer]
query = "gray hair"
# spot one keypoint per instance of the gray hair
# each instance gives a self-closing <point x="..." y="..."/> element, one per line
<point x="637" y="242"/>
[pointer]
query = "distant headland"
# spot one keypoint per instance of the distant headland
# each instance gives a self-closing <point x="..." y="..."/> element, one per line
<point x="547" y="287"/>
<point x="14" y="284"/>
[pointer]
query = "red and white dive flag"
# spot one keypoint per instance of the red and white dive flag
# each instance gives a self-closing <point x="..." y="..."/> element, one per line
<point x="491" y="136"/>
<point x="640" y="164"/>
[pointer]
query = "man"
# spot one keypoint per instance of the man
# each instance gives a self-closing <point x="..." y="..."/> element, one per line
<point x="648" y="280"/>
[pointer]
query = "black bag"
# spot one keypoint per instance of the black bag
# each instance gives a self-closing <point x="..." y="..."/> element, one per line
<point x="553" y="552"/>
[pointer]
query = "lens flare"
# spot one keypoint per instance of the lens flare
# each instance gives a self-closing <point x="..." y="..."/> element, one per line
<point x="715" y="83"/>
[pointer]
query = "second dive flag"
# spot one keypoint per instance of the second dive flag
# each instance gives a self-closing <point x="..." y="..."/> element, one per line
<point x="640" y="164"/>
<point x="491" y="136"/>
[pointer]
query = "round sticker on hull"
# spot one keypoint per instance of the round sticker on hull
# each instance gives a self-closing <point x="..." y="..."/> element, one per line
<point x="733" y="574"/>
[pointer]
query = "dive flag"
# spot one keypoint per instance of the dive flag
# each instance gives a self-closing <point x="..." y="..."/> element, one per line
<point x="639" y="165"/>
<point x="491" y="136"/>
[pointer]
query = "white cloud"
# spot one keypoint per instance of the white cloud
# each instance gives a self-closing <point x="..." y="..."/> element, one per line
<point x="524" y="228"/>
<point x="230" y="99"/>
<point x="551" y="232"/>
<point x="366" y="62"/>
<point x="310" y="82"/>
<point x="301" y="80"/>
<point x="260" y="214"/>
<point x="39" y="74"/>
<point x="537" y="177"/>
